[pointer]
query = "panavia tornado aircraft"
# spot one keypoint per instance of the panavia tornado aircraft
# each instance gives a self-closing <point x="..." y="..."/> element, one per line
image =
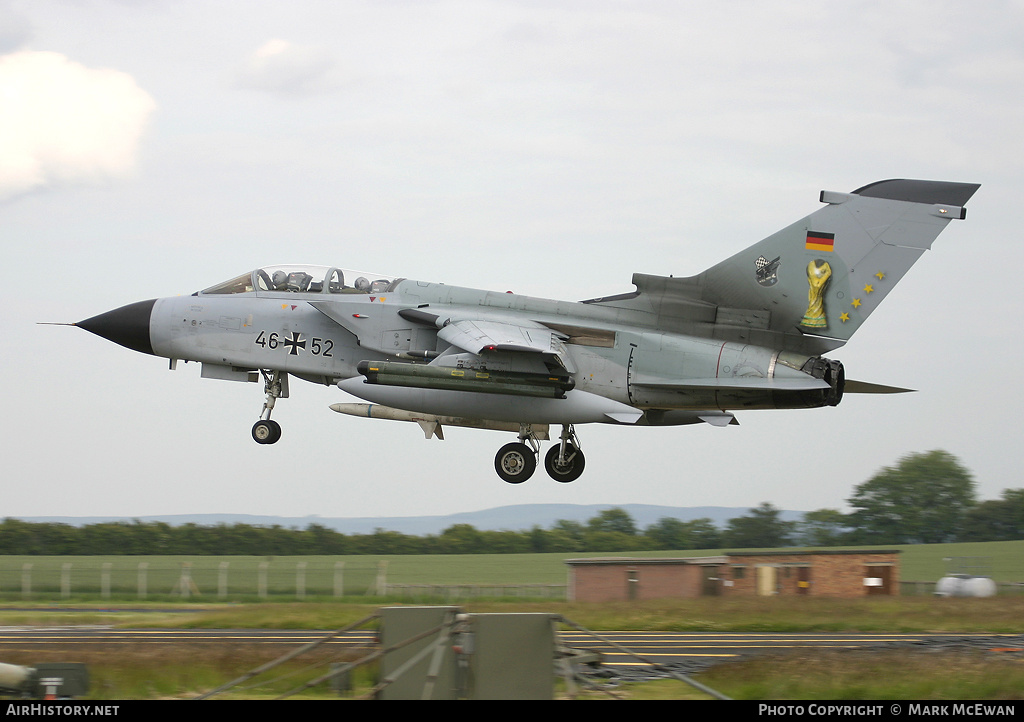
<point x="748" y="333"/>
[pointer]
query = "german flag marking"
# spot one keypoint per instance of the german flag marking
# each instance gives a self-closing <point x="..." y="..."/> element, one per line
<point x="818" y="241"/>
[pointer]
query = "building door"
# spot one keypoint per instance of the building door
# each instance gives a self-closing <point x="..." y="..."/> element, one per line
<point x="766" y="585"/>
<point x="711" y="583"/>
<point x="803" y="580"/>
<point x="878" y="580"/>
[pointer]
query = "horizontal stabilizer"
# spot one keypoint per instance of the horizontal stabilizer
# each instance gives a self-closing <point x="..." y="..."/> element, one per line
<point x="862" y="387"/>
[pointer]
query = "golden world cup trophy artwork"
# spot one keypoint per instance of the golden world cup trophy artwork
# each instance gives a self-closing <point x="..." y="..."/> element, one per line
<point x="818" y="273"/>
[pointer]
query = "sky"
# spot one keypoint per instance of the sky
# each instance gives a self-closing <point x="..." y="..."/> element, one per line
<point x="152" y="148"/>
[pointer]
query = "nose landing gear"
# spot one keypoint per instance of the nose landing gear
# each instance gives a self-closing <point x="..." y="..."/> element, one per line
<point x="267" y="431"/>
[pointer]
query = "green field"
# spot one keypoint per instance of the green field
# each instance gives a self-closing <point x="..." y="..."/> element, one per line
<point x="252" y="578"/>
<point x="47" y="591"/>
<point x="182" y="670"/>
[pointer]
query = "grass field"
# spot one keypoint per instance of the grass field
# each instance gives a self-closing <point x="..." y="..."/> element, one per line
<point x="996" y="615"/>
<point x="808" y="675"/>
<point x="179" y="670"/>
<point x="249" y="578"/>
<point x="127" y="673"/>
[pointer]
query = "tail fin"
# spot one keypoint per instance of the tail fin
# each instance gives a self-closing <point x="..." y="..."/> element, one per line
<point x="810" y="286"/>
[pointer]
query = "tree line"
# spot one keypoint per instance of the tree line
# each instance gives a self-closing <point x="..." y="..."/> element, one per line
<point x="925" y="498"/>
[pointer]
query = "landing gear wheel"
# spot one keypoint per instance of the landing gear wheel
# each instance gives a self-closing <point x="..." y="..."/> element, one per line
<point x="266" y="431"/>
<point x="570" y="469"/>
<point x="515" y="462"/>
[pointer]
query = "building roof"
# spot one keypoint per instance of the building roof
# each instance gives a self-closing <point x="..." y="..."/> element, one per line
<point x="633" y="561"/>
<point x="722" y="558"/>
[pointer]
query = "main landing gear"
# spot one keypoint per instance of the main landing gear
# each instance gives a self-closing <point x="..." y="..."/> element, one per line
<point x="564" y="462"/>
<point x="267" y="431"/>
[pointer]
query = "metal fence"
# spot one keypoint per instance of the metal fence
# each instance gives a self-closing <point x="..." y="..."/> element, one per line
<point x="224" y="580"/>
<point x="186" y="580"/>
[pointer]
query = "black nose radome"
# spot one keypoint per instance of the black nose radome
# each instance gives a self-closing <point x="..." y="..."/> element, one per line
<point x="128" y="325"/>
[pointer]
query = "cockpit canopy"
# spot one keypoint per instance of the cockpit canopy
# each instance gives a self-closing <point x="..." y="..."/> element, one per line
<point x="305" y="279"/>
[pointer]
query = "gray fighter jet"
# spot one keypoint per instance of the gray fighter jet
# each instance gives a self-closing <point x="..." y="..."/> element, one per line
<point x="748" y="333"/>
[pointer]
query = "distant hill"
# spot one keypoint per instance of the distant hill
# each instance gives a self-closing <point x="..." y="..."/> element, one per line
<point x="518" y="517"/>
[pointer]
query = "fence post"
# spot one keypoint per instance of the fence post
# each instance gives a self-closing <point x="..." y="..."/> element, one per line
<point x="339" y="582"/>
<point x="185" y="581"/>
<point x="222" y="580"/>
<point x="141" y="579"/>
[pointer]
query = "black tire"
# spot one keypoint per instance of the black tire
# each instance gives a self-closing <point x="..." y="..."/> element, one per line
<point x="571" y="470"/>
<point x="515" y="462"/>
<point x="266" y="431"/>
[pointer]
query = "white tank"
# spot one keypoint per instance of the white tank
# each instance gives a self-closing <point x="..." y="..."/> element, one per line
<point x="979" y="587"/>
<point x="962" y="585"/>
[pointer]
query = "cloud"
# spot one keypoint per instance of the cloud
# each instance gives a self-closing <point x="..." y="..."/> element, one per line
<point x="63" y="123"/>
<point x="280" y="66"/>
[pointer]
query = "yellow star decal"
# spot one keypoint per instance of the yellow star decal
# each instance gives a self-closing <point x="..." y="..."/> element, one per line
<point x="868" y="288"/>
<point x="855" y="303"/>
<point x="879" y="275"/>
<point x="844" y="317"/>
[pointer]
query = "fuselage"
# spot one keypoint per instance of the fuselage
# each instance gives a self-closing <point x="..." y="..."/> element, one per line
<point x="320" y="332"/>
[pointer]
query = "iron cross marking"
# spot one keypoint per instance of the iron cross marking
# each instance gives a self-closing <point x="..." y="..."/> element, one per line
<point x="294" y="342"/>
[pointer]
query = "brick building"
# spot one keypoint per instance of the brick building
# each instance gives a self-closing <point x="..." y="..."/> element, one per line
<point x="832" y="573"/>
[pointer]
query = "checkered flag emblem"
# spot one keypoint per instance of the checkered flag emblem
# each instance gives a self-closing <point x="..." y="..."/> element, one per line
<point x="766" y="269"/>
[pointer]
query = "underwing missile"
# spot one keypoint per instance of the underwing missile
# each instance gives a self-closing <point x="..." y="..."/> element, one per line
<point x="431" y="423"/>
<point x="577" y="406"/>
